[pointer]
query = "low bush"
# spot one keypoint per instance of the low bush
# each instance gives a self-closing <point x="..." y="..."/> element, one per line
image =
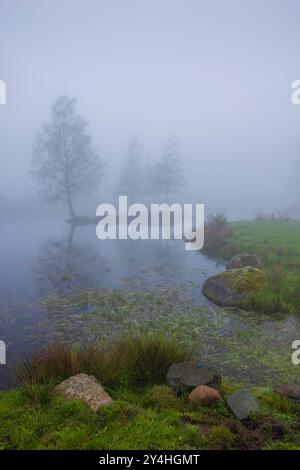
<point x="216" y="233"/>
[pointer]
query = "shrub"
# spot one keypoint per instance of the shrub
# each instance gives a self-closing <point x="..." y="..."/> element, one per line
<point x="216" y="232"/>
<point x="134" y="361"/>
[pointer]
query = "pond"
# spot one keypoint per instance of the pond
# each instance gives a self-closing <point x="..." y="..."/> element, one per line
<point x="42" y="259"/>
<point x="63" y="284"/>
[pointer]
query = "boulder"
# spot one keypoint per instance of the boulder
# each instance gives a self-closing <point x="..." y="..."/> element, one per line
<point x="291" y="391"/>
<point x="185" y="376"/>
<point x="204" y="395"/>
<point x="244" y="259"/>
<point x="230" y="288"/>
<point x="84" y="387"/>
<point x="242" y="403"/>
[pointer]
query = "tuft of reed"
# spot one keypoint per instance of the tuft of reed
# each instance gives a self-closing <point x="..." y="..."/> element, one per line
<point x="134" y="361"/>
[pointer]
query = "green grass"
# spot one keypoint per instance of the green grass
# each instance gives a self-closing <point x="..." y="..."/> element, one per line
<point x="33" y="417"/>
<point x="277" y="242"/>
<point x="70" y="425"/>
<point x="145" y="413"/>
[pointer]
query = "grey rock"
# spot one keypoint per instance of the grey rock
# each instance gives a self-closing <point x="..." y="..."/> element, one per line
<point x="291" y="391"/>
<point x="244" y="259"/>
<point x="185" y="376"/>
<point x="84" y="387"/>
<point x="242" y="403"/>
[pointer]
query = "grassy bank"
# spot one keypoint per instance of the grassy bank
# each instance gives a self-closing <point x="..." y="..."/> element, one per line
<point x="145" y="413"/>
<point x="32" y="417"/>
<point x="277" y="243"/>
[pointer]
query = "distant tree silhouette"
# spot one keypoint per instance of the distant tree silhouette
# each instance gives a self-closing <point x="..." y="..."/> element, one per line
<point x="64" y="162"/>
<point x="168" y="175"/>
<point x="131" y="179"/>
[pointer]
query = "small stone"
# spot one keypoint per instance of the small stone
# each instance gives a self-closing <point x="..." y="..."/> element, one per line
<point x="242" y="403"/>
<point x="244" y="259"/>
<point x="84" y="387"/>
<point x="291" y="391"/>
<point x="185" y="376"/>
<point x="204" y="395"/>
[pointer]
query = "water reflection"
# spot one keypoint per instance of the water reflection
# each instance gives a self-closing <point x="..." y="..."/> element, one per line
<point x="42" y="260"/>
<point x="63" y="265"/>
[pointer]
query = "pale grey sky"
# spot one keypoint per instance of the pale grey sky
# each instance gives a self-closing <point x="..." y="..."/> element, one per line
<point x="215" y="74"/>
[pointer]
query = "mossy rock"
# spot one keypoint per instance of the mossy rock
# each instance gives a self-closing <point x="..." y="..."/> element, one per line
<point x="231" y="288"/>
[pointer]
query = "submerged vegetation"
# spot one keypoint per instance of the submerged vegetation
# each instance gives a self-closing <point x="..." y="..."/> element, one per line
<point x="247" y="348"/>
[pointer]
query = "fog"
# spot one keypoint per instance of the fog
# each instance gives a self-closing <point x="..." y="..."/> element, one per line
<point x="214" y="75"/>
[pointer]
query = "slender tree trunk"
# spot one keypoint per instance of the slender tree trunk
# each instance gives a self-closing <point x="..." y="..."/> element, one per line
<point x="68" y="191"/>
<point x="70" y="205"/>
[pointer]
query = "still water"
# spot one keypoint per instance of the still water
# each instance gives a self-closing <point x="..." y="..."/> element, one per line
<point x="40" y="259"/>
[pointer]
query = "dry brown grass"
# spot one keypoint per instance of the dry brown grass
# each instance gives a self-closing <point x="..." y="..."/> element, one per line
<point x="134" y="361"/>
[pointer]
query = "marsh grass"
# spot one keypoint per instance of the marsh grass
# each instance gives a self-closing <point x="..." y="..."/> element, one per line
<point x="265" y="301"/>
<point x="134" y="361"/>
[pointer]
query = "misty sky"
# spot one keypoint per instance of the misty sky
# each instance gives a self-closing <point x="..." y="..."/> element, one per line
<point x="214" y="74"/>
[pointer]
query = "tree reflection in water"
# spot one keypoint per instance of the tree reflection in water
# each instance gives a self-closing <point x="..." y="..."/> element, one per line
<point x="64" y="265"/>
